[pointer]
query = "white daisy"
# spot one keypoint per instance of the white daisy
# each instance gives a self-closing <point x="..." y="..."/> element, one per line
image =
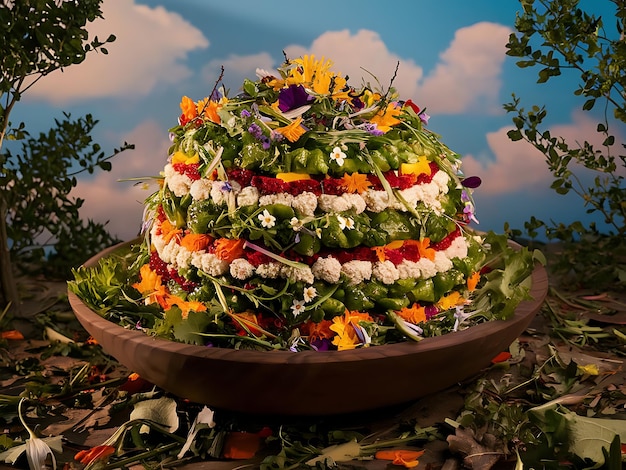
<point x="337" y="156"/>
<point x="309" y="293"/>
<point x="297" y="307"/>
<point x="345" y="222"/>
<point x="267" y="219"/>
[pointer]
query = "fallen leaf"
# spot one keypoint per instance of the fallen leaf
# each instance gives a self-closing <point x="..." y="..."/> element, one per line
<point x="337" y="453"/>
<point x="474" y="453"/>
<point x="160" y="410"/>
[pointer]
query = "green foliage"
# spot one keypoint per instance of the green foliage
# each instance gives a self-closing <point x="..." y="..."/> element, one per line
<point x="36" y="184"/>
<point x="557" y="37"/>
<point x="39" y="220"/>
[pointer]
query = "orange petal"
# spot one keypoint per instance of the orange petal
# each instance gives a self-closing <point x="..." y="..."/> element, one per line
<point x="503" y="356"/>
<point x="406" y="458"/>
<point x="11" y="334"/>
<point x="241" y="445"/>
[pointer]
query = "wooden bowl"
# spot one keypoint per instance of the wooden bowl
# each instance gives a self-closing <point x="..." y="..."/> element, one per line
<point x="310" y="383"/>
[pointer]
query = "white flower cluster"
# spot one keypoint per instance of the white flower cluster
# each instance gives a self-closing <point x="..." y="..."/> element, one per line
<point x="327" y="269"/>
<point x="428" y="193"/>
<point x="305" y="204"/>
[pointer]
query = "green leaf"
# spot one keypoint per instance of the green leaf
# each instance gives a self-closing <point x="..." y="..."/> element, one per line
<point x="588" y="438"/>
<point x="589" y="104"/>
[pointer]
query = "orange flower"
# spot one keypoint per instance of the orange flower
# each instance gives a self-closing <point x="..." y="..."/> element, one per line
<point x="169" y="231"/>
<point x="208" y="108"/>
<point x="406" y="458"/>
<point x="95" y="453"/>
<point x="195" y="241"/>
<point x="386" y="118"/>
<point x="292" y="131"/>
<point x="151" y="286"/>
<point x="150" y="280"/>
<point x="414" y="314"/>
<point x="189" y="108"/>
<point x="355" y="183"/>
<point x="380" y="250"/>
<point x="228" y="249"/>
<point x="187" y="306"/>
<point x="246" y="322"/>
<point x="472" y="281"/>
<point x="319" y="330"/>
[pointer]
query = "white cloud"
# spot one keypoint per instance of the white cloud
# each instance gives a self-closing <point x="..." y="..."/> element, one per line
<point x="122" y="202"/>
<point x="468" y="75"/>
<point x="151" y="47"/>
<point x="236" y="69"/>
<point x="519" y="166"/>
<point x="467" y="78"/>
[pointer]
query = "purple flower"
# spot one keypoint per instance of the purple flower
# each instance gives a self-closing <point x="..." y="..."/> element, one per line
<point x="321" y="344"/>
<point x="265" y="141"/>
<point x="215" y="96"/>
<point x="372" y="128"/>
<point x="471" y="182"/>
<point x="293" y="97"/>
<point x="255" y="130"/>
<point x="276" y="136"/>
<point x="245" y="113"/>
<point x="227" y="187"/>
<point x="430" y="311"/>
<point x="424" y="118"/>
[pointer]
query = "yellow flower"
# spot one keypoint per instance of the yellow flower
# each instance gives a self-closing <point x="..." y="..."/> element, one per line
<point x="355" y="183"/>
<point x="370" y="98"/>
<point x="386" y="118"/>
<point x="421" y="166"/>
<point x="292" y="131"/>
<point x="346" y="328"/>
<point x="180" y="157"/>
<point x="451" y="300"/>
<point x="316" y="74"/>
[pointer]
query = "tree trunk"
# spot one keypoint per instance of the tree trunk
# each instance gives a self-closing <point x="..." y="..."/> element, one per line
<point x="7" y="277"/>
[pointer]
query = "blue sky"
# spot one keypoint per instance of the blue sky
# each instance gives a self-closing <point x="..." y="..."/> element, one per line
<point x="452" y="62"/>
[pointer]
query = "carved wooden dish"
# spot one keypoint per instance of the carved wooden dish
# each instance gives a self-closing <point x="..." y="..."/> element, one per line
<point x="310" y="383"/>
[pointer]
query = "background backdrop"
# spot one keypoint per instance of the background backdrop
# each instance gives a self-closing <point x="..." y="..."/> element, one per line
<point x="452" y="62"/>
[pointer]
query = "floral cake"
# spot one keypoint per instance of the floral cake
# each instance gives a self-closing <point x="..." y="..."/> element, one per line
<point x="305" y="213"/>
